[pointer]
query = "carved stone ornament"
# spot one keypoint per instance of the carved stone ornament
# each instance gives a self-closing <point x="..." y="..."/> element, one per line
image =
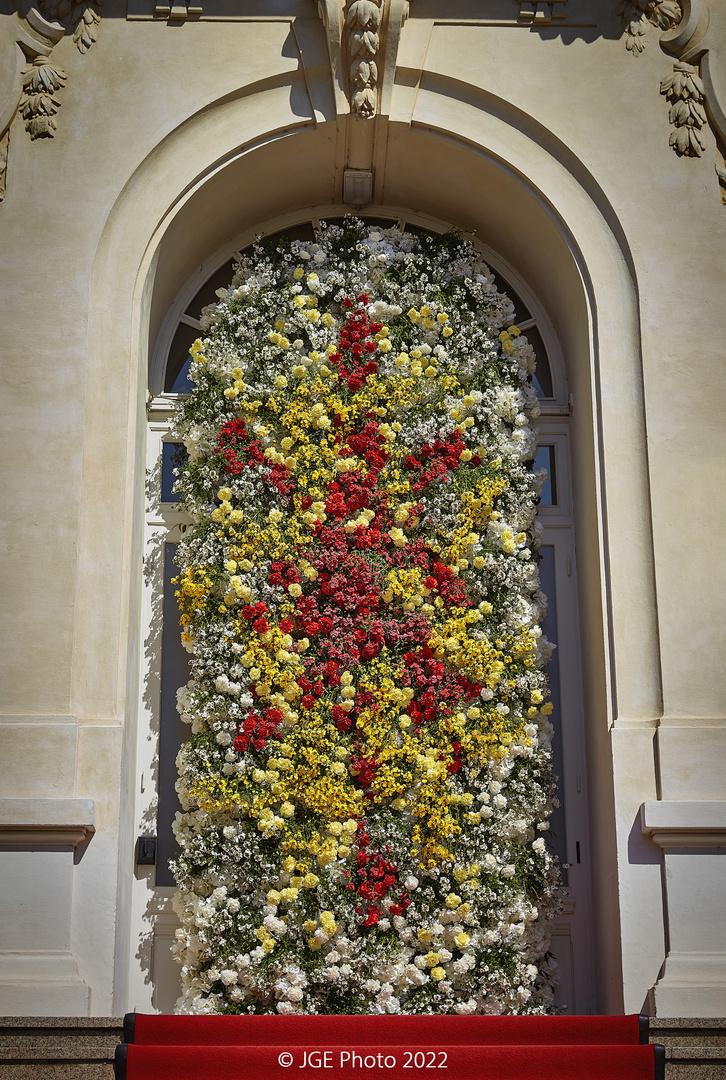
<point x="638" y="14"/>
<point x="38" y="103"/>
<point x="363" y="37"/>
<point x="684" y="89"/>
<point x="696" y="88"/>
<point x="84" y="18"/>
<point x="363" y="22"/>
<point x="29" y="79"/>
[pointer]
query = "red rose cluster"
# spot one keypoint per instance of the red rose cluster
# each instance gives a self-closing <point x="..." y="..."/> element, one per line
<point x="375" y="877"/>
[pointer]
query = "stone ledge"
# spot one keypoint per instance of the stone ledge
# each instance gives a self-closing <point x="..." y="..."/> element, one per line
<point x="46" y="823"/>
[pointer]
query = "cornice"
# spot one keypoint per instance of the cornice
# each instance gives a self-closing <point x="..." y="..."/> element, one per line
<point x="684" y="825"/>
<point x="53" y="824"/>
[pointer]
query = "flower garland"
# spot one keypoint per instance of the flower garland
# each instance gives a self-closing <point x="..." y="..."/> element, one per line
<point x="369" y="772"/>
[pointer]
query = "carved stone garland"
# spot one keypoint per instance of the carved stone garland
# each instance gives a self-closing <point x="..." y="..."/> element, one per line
<point x="40" y="24"/>
<point x="38" y="103"/>
<point x="637" y="14"/>
<point x="41" y="78"/>
<point x="363" y="22"/>
<point x="684" y="89"/>
<point x="693" y="33"/>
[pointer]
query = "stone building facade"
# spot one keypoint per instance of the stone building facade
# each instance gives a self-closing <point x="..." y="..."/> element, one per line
<point x="142" y="144"/>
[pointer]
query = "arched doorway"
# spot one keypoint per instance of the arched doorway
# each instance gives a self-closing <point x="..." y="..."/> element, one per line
<point x="491" y="175"/>
<point x="165" y="669"/>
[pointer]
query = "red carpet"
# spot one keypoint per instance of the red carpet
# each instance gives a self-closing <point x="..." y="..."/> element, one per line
<point x="397" y="1047"/>
<point x="397" y="1062"/>
<point x="329" y="1031"/>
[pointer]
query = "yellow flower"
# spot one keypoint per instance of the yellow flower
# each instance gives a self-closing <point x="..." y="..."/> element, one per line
<point x="437" y="974"/>
<point x="452" y="900"/>
<point x="298" y="273"/>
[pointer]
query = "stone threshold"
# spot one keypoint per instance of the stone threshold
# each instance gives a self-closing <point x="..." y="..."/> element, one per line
<point x="82" y="1048"/>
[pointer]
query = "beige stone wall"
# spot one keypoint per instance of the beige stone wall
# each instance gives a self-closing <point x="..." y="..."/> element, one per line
<point x="551" y="144"/>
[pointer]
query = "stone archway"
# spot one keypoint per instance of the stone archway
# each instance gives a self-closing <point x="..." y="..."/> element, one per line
<point x="470" y="161"/>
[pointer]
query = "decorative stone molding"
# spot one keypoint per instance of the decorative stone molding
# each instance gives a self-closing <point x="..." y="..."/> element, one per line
<point x="84" y="18"/>
<point x="38" y="103"/>
<point x="638" y="14"/>
<point x="684" y="90"/>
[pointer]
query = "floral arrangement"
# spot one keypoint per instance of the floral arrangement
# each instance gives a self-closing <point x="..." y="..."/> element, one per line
<point x="368" y="778"/>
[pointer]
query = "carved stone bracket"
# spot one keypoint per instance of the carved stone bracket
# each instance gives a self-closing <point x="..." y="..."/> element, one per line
<point x="178" y="12"/>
